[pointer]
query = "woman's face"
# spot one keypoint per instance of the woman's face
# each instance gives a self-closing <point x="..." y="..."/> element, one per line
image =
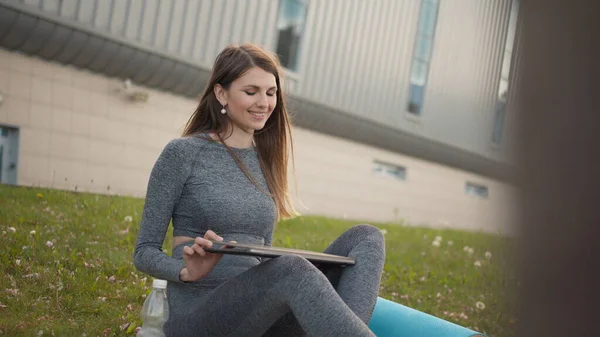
<point x="250" y="99"/>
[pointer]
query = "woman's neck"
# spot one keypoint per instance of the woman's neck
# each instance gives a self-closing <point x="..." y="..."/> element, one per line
<point x="237" y="138"/>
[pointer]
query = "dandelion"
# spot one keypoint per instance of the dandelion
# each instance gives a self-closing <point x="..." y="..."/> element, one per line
<point x="32" y="232"/>
<point x="24" y="247"/>
<point x="49" y="244"/>
<point x="438" y="238"/>
<point x="12" y="229"/>
<point x="384" y="231"/>
<point x="435" y="243"/>
<point x="438" y="295"/>
<point x="488" y="255"/>
<point x="466" y="249"/>
<point x="40" y="195"/>
<point x="477" y="264"/>
<point x="479" y="305"/>
<point x="423" y="279"/>
<point x="471" y="251"/>
<point x="128" y="218"/>
<point x="450" y="243"/>
<point x="111" y="279"/>
<point x="18" y="262"/>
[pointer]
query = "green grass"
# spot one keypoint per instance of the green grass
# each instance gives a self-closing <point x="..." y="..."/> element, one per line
<point x="86" y="282"/>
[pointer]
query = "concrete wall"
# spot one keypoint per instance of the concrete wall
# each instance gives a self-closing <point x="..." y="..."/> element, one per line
<point x="79" y="131"/>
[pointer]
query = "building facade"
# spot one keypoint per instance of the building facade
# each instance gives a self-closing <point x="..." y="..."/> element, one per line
<point x="403" y="109"/>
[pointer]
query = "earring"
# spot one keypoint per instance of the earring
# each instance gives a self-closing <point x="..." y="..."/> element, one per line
<point x="223" y="111"/>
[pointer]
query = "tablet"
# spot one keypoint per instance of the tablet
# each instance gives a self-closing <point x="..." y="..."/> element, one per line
<point x="264" y="251"/>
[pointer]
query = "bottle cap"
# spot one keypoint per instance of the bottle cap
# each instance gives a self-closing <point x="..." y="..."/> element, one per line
<point x="160" y="284"/>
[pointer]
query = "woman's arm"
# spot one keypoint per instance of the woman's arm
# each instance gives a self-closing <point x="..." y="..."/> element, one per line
<point x="168" y="176"/>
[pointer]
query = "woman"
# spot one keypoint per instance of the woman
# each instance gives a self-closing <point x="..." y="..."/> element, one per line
<point x="226" y="179"/>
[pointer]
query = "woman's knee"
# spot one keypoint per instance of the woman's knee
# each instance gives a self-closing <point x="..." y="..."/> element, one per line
<point x="366" y="231"/>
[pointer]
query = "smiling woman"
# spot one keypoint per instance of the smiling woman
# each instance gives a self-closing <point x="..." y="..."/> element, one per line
<point x="228" y="175"/>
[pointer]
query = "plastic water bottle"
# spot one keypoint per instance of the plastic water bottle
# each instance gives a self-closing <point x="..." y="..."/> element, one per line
<point x="155" y="311"/>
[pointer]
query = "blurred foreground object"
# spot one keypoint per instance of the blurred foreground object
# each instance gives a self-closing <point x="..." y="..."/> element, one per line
<point x="560" y="174"/>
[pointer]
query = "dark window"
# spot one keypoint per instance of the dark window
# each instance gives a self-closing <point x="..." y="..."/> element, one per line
<point x="290" y="28"/>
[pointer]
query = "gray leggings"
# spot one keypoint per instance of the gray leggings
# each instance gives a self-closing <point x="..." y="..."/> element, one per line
<point x="289" y="296"/>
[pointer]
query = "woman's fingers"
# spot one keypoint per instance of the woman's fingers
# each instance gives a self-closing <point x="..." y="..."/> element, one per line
<point x="198" y="250"/>
<point x="202" y="242"/>
<point x="188" y="250"/>
<point x="212" y="236"/>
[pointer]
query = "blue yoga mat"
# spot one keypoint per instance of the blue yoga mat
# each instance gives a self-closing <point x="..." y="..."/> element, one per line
<point x="391" y="319"/>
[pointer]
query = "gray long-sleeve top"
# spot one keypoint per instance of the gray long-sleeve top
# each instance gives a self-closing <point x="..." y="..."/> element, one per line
<point x="197" y="183"/>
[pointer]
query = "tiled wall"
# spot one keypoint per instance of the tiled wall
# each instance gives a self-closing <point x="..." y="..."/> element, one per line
<point x="78" y="130"/>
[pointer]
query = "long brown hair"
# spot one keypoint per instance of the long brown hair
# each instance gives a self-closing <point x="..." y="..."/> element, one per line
<point x="272" y="141"/>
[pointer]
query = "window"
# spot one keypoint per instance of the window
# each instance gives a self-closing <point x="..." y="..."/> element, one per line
<point x="477" y="190"/>
<point x="389" y="170"/>
<point x="500" y="108"/>
<point x="9" y="138"/>
<point x="290" y="28"/>
<point x="422" y="55"/>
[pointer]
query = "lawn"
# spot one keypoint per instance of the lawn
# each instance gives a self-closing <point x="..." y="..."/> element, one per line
<point x="66" y="267"/>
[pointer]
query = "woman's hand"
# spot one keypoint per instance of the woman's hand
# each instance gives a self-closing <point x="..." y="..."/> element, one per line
<point x="199" y="263"/>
